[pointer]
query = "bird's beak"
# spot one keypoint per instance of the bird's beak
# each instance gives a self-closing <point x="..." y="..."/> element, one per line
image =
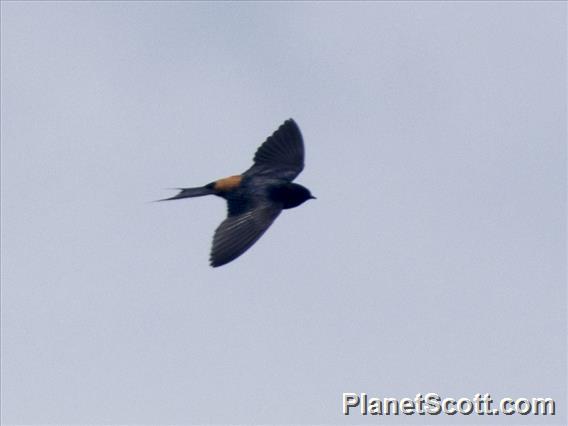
<point x="312" y="197"/>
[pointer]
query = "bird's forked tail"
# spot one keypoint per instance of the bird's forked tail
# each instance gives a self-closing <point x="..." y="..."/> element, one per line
<point x="192" y="192"/>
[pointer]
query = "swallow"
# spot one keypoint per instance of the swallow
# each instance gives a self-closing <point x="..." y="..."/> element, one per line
<point x="256" y="197"/>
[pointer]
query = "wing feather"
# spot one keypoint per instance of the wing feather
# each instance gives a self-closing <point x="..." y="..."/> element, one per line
<point x="282" y="154"/>
<point x="237" y="234"/>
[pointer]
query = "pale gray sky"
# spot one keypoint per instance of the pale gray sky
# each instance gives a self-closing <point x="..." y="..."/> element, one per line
<point x="434" y="259"/>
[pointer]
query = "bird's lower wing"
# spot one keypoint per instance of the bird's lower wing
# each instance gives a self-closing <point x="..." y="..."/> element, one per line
<point x="237" y="234"/>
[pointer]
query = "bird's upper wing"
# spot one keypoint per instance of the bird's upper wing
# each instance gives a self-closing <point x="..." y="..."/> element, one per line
<point x="237" y="233"/>
<point x="282" y="154"/>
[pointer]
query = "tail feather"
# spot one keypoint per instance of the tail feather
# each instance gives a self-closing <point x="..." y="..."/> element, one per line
<point x="191" y="192"/>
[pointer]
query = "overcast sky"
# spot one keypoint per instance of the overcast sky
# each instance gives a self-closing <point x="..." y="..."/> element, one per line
<point x="433" y="260"/>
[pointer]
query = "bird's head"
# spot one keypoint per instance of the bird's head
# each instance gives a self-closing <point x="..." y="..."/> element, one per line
<point x="292" y="195"/>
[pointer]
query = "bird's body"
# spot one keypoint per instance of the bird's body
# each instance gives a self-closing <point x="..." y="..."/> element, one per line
<point x="256" y="197"/>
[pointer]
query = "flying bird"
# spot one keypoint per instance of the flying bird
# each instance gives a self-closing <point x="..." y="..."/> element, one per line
<point x="256" y="197"/>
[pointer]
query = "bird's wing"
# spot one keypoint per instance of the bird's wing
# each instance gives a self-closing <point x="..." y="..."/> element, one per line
<point x="282" y="154"/>
<point x="237" y="233"/>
